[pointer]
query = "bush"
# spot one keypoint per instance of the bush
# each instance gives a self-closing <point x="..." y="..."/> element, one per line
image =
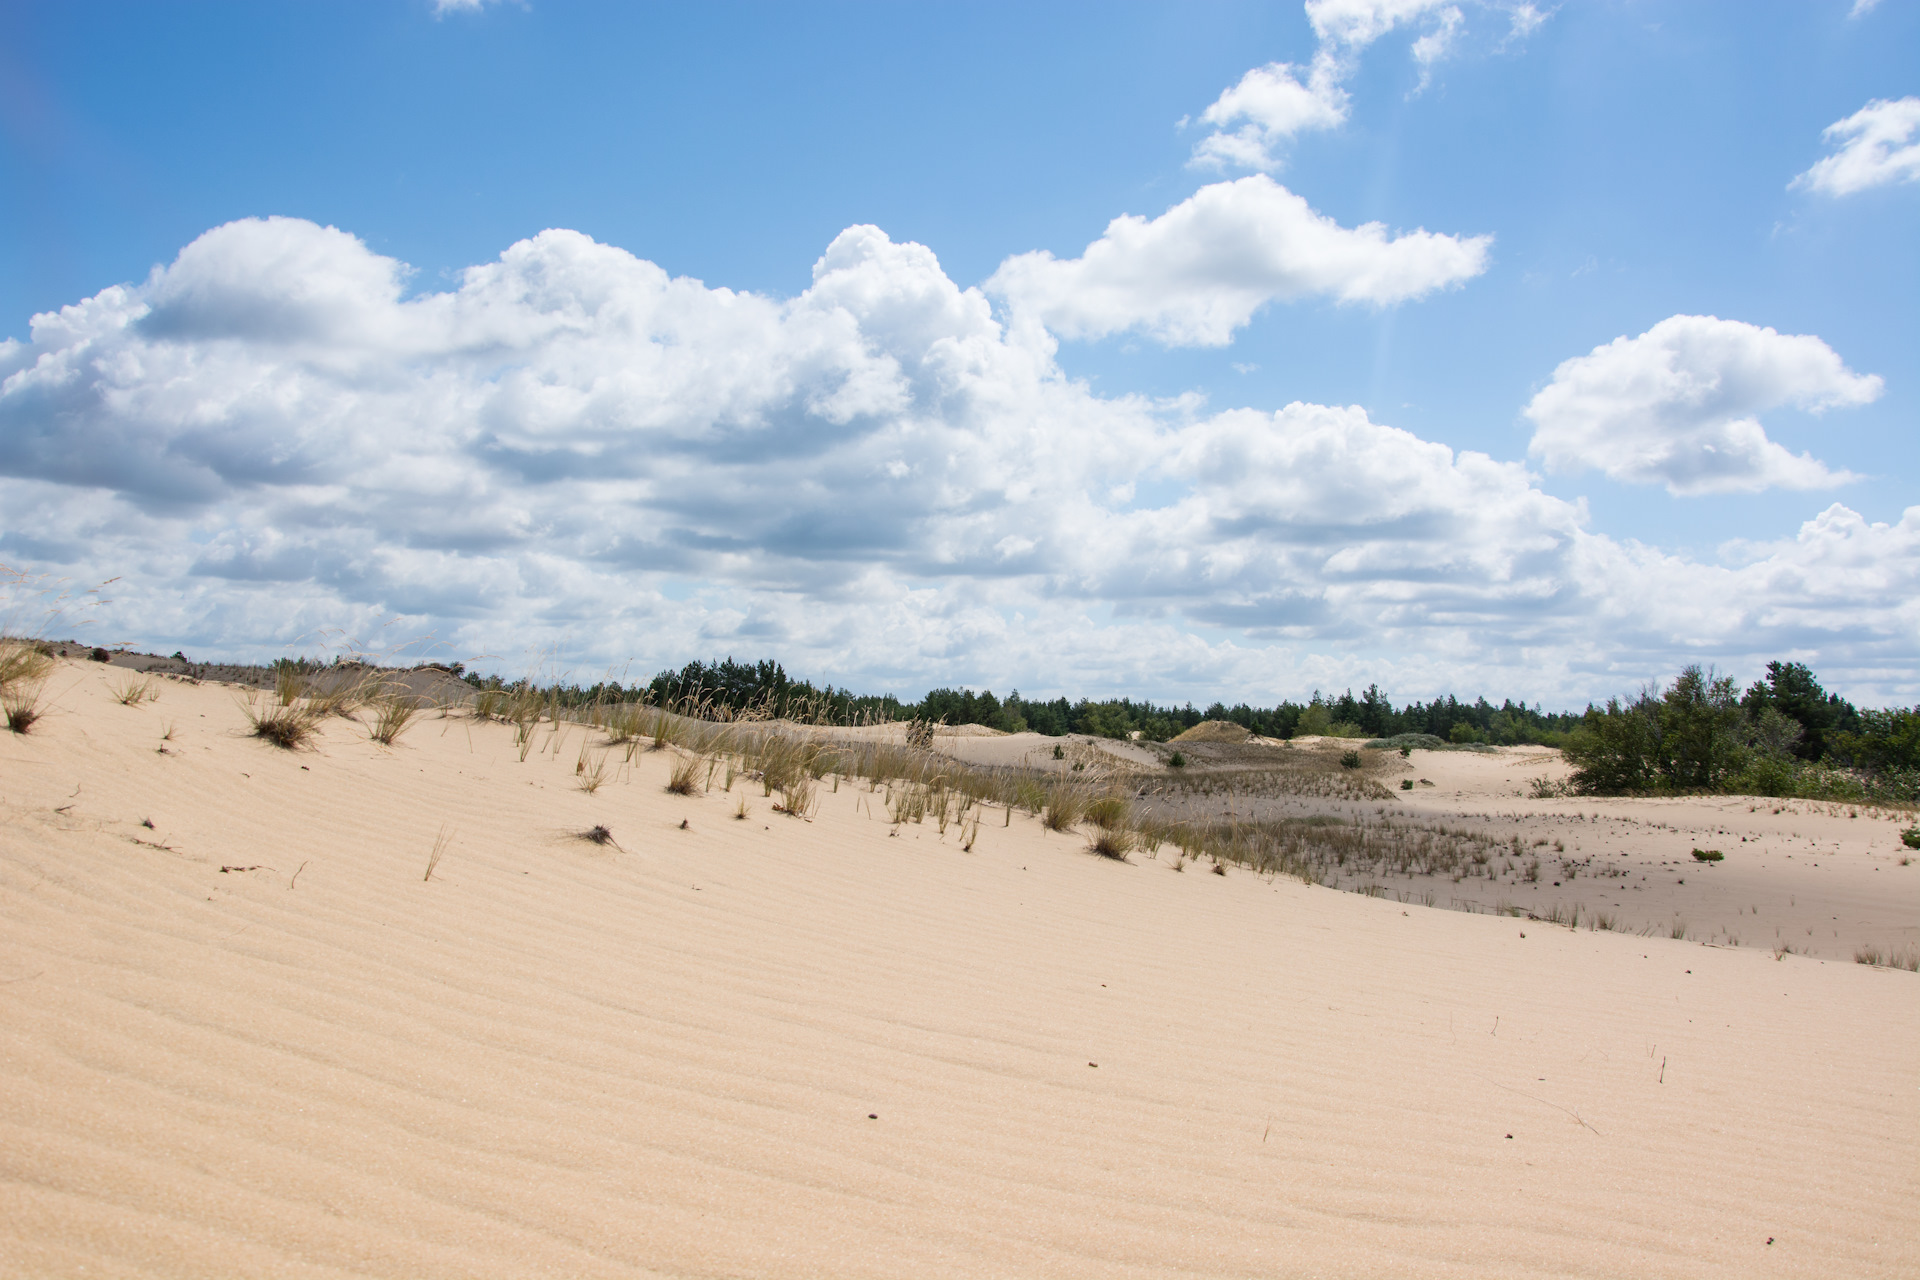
<point x="1349" y="759"/>
<point x="1406" y="784"/>
<point x="1693" y="737"/>
<point x="1177" y="760"/>
<point x="1911" y="837"/>
<point x="1707" y="855"/>
<point x="1407" y="743"/>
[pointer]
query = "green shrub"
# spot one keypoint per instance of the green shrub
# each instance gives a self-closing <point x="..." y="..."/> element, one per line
<point x="1707" y="855"/>
<point x="1349" y="759"/>
<point x="1911" y="837"/>
<point x="1177" y="760"/>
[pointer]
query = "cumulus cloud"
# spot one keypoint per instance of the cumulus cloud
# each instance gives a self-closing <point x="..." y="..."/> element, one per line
<point x="1680" y="404"/>
<point x="1274" y="103"/>
<point x="1270" y="105"/>
<point x="1199" y="271"/>
<point x="1877" y="148"/>
<point x="877" y="481"/>
<point x="1355" y="24"/>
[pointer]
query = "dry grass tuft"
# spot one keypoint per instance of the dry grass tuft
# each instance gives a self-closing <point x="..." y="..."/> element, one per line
<point x="1064" y="805"/>
<point x="590" y="773"/>
<point x="134" y="690"/>
<point x="1110" y="842"/>
<point x="23" y="673"/>
<point x="1889" y="958"/>
<point x="797" y="797"/>
<point x="21" y="706"/>
<point x="1110" y="812"/>
<point x="392" y="710"/>
<point x="285" y="725"/>
<point x="599" y="835"/>
<point x="686" y="777"/>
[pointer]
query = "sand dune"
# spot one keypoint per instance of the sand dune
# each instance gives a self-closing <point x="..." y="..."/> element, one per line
<point x="250" y="1039"/>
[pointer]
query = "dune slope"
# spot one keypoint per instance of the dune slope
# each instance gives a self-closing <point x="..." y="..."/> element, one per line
<point x="777" y="1047"/>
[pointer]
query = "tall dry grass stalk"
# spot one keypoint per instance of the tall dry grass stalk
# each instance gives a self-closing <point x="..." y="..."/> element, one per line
<point x="441" y="843"/>
<point x="393" y="710"/>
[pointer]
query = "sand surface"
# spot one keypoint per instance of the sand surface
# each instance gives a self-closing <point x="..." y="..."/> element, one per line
<point x="774" y="1047"/>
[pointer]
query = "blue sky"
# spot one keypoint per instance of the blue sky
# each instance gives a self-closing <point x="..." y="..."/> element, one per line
<point x="1114" y="507"/>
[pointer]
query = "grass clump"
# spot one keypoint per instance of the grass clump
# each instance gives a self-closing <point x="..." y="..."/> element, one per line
<point x="1109" y="812"/>
<point x="392" y="712"/>
<point x="1064" y="805"/>
<point x="23" y="673"/>
<point x="1911" y="837"/>
<point x="1111" y="842"/>
<point x="685" y="779"/>
<point x="797" y="797"/>
<point x="134" y="690"/>
<point x="285" y="725"/>
<point x="1907" y="958"/>
<point x="590" y="772"/>
<point x="1708" y="855"/>
<point x="21" y="706"/>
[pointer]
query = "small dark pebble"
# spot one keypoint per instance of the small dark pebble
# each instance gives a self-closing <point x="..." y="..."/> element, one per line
<point x="1509" y="1135"/>
<point x="1093" y="1064"/>
<point x="685" y="825"/>
<point x="873" y="1115"/>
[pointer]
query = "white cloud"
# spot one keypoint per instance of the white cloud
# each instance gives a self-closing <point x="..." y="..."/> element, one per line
<point x="1275" y="103"/>
<point x="1272" y="104"/>
<point x="1680" y="404"/>
<point x="876" y="481"/>
<point x="1861" y="8"/>
<point x="1355" y="24"/>
<point x="1524" y="20"/>
<point x="1438" y="43"/>
<point x="1199" y="271"/>
<point x="1877" y="147"/>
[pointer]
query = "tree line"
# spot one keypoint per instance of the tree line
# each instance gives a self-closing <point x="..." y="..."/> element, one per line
<point x="1784" y="735"/>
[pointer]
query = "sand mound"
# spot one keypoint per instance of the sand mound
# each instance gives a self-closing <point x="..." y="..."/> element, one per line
<point x="1214" y="731"/>
<point x="245" y="1035"/>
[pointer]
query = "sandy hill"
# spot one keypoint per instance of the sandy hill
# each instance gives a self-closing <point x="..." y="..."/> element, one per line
<point x="240" y="1034"/>
<point x="1215" y="731"/>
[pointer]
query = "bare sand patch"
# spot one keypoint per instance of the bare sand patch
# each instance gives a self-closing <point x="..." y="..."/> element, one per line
<point x="251" y="1038"/>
